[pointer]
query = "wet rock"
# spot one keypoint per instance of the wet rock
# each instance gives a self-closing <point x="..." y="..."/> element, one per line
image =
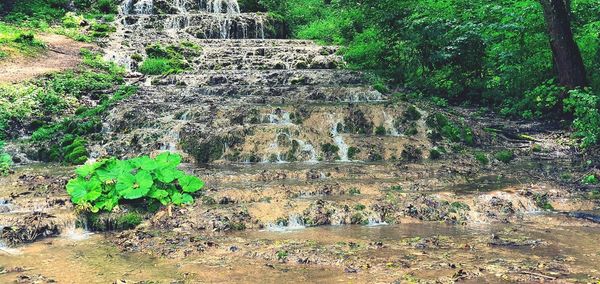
<point x="29" y="228"/>
<point x="589" y="216"/>
<point x="506" y="241"/>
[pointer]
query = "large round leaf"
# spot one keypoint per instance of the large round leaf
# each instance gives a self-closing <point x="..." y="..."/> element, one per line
<point x="190" y="183"/>
<point x="79" y="189"/>
<point x="168" y="160"/>
<point x="134" y="187"/>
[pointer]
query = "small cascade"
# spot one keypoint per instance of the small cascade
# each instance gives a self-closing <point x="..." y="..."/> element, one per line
<point x="5" y="249"/>
<point x="388" y="122"/>
<point x="280" y="117"/>
<point x="171" y="141"/>
<point x="294" y="222"/>
<point x="222" y="6"/>
<point x="339" y="140"/>
<point x="126" y="7"/>
<point x="71" y="231"/>
<point x="180" y="5"/>
<point x="375" y="220"/>
<point x="143" y="7"/>
<point x="5" y="206"/>
<point x="273" y="150"/>
<point x="308" y="149"/>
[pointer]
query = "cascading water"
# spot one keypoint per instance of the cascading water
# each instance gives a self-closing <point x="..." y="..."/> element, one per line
<point x="339" y="140"/>
<point x="71" y="231"/>
<point x="389" y="124"/>
<point x="222" y="6"/>
<point x="294" y="222"/>
<point x="143" y="7"/>
<point x="375" y="220"/>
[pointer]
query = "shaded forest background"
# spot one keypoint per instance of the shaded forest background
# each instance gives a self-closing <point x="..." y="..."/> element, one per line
<point x="489" y="54"/>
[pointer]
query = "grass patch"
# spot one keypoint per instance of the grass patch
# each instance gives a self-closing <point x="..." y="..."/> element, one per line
<point x="18" y="41"/>
<point x="505" y="156"/>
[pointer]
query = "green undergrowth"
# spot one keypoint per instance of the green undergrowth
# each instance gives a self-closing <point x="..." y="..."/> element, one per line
<point x="82" y="20"/>
<point x="18" y="41"/>
<point x="170" y="59"/>
<point x="442" y="127"/>
<point x="105" y="184"/>
<point x="493" y="54"/>
<point x="5" y="161"/>
<point x="56" y="111"/>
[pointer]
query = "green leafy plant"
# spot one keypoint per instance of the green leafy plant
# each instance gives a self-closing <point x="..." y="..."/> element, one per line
<point x="585" y="106"/>
<point x="590" y="179"/>
<point x="104" y="184"/>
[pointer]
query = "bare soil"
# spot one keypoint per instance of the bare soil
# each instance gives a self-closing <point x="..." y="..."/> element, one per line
<point x="62" y="53"/>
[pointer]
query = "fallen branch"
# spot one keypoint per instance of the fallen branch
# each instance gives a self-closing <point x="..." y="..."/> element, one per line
<point x="538" y="275"/>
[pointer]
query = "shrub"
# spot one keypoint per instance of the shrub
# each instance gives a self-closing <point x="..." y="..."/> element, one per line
<point x="380" y="130"/>
<point x="5" y="161"/>
<point x="590" y="179"/>
<point x="482" y="158"/>
<point x="330" y="151"/>
<point x="435" y="154"/>
<point x="163" y="60"/>
<point x="104" y="184"/>
<point x="505" y="156"/>
<point x="107" y="6"/>
<point x="412" y="114"/>
<point x="584" y="105"/>
<point x="352" y="152"/>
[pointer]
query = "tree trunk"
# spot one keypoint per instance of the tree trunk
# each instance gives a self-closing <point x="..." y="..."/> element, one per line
<point x="566" y="54"/>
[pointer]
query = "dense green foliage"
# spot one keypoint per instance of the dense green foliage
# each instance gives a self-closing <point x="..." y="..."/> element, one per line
<point x="54" y="108"/>
<point x="170" y="59"/>
<point x="57" y="94"/>
<point x="5" y="161"/>
<point x="15" y="40"/>
<point x="495" y="54"/>
<point x="104" y="184"/>
<point x="83" y="20"/>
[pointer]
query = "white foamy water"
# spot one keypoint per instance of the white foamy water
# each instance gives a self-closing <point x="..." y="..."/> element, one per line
<point x="339" y="140"/>
<point x="295" y="222"/>
<point x="389" y="124"/>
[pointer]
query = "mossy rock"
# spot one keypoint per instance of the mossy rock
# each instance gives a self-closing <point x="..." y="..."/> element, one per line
<point x="104" y="222"/>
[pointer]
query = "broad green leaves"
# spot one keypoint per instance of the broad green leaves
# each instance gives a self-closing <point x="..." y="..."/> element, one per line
<point x="191" y="183"/>
<point x="102" y="185"/>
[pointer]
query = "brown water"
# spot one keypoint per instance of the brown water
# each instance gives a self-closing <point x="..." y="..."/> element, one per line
<point x="567" y="252"/>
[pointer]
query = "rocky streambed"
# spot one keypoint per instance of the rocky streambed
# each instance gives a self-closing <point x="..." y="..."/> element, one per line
<point x="312" y="174"/>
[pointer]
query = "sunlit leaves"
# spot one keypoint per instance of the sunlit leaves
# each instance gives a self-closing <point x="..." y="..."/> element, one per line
<point x="102" y="185"/>
<point x="191" y="183"/>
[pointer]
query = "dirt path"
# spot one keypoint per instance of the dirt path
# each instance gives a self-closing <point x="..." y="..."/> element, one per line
<point x="62" y="54"/>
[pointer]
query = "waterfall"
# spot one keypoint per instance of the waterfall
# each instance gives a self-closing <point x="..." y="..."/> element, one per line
<point x="307" y="148"/>
<point x="143" y="7"/>
<point x="126" y="7"/>
<point x="180" y="4"/>
<point x="339" y="140"/>
<point x="375" y="220"/>
<point x="171" y="141"/>
<point x="222" y="6"/>
<point x="294" y="222"/>
<point x="72" y="232"/>
<point x="388" y="122"/>
<point x="274" y="149"/>
<point x="280" y="117"/>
